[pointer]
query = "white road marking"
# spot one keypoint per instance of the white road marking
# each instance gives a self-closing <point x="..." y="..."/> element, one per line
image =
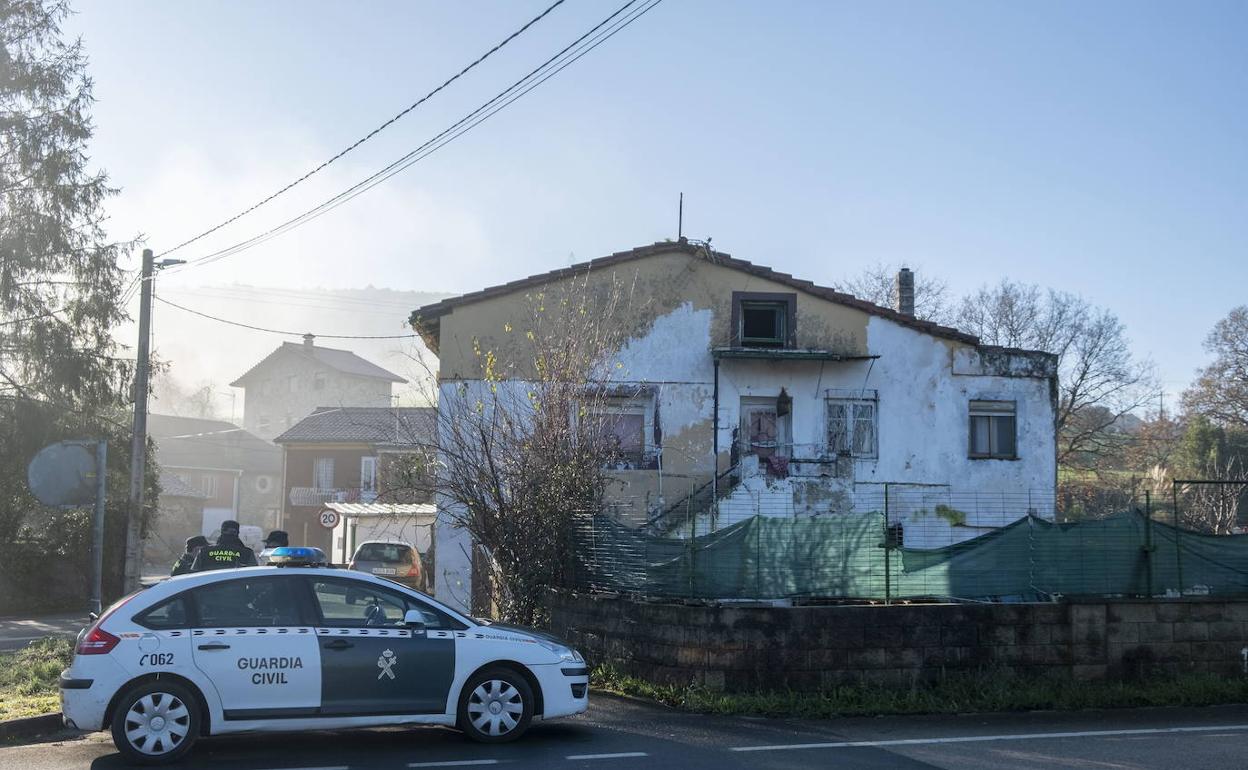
<point x="454" y="763"/>
<point x="335" y="767"/>
<point x="985" y="738"/>
<point x="620" y="755"/>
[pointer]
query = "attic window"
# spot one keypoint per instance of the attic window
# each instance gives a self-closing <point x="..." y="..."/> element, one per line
<point x="762" y="324"/>
<point x="764" y="320"/>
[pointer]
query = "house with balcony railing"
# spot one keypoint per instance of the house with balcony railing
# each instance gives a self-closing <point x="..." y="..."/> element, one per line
<point x="350" y="455"/>
<point x="741" y="391"/>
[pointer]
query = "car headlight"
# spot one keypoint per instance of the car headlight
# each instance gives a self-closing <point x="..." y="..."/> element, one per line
<point x="566" y="654"/>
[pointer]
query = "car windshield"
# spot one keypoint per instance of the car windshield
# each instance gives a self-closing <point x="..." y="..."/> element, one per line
<point x="384" y="552"/>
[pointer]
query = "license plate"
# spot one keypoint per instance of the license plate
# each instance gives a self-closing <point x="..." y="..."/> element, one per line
<point x="383" y="571"/>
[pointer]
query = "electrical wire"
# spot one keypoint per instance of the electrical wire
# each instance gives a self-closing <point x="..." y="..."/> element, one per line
<point x="551" y="67"/>
<point x="372" y="133"/>
<point x="282" y="332"/>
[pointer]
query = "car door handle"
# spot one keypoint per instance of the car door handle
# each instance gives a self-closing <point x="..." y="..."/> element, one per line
<point x="214" y="646"/>
<point x="338" y="644"/>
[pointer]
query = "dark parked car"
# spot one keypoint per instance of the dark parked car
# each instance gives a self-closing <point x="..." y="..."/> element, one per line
<point x="393" y="560"/>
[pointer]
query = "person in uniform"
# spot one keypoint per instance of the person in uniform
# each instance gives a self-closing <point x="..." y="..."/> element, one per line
<point x="229" y="551"/>
<point x="276" y="539"/>
<point x="183" y="564"/>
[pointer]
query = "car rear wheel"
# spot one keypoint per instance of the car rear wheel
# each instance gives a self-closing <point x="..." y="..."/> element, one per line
<point x="496" y="706"/>
<point x="156" y="722"/>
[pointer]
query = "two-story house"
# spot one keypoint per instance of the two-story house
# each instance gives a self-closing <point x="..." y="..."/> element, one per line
<point x="296" y="378"/>
<point x="752" y="392"/>
<point x="350" y="455"/>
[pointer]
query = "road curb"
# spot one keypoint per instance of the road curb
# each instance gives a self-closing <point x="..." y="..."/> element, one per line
<point x="26" y="727"/>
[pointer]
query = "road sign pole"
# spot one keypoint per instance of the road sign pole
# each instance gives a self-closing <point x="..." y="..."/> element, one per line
<point x="97" y="528"/>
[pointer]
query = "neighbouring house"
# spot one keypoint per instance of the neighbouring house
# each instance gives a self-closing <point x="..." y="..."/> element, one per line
<point x="227" y="472"/>
<point x="180" y="514"/>
<point x="747" y="391"/>
<point x="296" y="378"/>
<point x="351" y="455"/>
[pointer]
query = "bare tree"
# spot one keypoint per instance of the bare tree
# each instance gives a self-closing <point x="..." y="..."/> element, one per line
<point x="1221" y="389"/>
<point x="1214" y="508"/>
<point x="1155" y="443"/>
<point x="522" y="450"/>
<point x="877" y="284"/>
<point x="1098" y="380"/>
<point x="171" y="396"/>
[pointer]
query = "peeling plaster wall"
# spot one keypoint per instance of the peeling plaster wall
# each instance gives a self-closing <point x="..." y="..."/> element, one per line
<point x="681" y="308"/>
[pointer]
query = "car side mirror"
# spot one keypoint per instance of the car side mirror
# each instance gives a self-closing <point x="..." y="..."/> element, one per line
<point x="414" y="620"/>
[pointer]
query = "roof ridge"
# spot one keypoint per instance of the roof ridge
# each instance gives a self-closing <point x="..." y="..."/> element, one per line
<point x="421" y="317"/>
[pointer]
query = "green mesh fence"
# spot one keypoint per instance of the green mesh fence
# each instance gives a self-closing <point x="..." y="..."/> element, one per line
<point x="851" y="556"/>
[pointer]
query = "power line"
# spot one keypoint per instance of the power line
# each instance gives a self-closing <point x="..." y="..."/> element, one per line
<point x="283" y="332"/>
<point x="374" y="132"/>
<point x="325" y="307"/>
<point x="317" y="299"/>
<point x="551" y="67"/>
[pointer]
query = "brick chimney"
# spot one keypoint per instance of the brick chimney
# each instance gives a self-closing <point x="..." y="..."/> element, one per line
<point x="307" y="341"/>
<point x="903" y="293"/>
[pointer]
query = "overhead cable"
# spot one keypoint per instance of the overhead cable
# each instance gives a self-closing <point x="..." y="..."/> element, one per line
<point x="370" y="134"/>
<point x="599" y="34"/>
<point x="281" y="331"/>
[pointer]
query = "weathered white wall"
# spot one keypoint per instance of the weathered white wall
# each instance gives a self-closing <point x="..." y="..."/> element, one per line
<point x="924" y="385"/>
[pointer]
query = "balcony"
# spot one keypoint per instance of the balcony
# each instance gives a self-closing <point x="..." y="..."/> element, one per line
<point x="311" y="497"/>
<point x="632" y="460"/>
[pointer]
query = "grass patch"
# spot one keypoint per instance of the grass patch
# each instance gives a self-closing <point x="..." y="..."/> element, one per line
<point x="28" y="677"/>
<point x="971" y="693"/>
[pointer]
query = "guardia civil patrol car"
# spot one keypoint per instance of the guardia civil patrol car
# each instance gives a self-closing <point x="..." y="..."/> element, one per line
<point x="305" y="648"/>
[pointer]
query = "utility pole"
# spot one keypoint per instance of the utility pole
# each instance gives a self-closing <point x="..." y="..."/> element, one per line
<point x="138" y="445"/>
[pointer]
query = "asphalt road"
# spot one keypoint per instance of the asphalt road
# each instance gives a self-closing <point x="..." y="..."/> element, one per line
<point x="620" y="734"/>
<point x="18" y="632"/>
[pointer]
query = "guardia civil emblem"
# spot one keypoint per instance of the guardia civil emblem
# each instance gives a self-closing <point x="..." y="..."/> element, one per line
<point x="386" y="662"/>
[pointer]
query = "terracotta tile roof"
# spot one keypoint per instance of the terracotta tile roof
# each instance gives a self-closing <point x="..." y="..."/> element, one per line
<point x="425" y="320"/>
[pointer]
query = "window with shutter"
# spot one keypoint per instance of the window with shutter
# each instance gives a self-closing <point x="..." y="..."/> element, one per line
<point x="993" y="430"/>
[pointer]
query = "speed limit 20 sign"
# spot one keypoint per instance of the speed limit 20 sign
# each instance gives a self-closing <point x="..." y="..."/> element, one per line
<point x="329" y="519"/>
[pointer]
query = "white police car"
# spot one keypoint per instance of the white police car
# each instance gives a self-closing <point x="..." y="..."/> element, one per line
<point x="303" y="648"/>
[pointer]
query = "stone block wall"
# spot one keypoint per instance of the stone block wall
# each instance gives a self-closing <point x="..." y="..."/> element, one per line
<point x="740" y="648"/>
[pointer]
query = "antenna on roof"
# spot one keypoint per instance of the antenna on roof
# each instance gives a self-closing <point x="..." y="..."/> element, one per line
<point x="680" y="219"/>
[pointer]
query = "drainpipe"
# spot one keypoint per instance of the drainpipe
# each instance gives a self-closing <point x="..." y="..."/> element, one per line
<point x="715" y="442"/>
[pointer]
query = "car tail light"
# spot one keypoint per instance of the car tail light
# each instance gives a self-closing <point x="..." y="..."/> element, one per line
<point x="414" y="570"/>
<point x="96" y="642"/>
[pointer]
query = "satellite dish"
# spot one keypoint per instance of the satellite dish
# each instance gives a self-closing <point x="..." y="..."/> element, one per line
<point x="63" y="475"/>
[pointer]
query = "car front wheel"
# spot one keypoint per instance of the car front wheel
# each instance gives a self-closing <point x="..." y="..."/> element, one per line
<point x="156" y="722"/>
<point x="496" y="706"/>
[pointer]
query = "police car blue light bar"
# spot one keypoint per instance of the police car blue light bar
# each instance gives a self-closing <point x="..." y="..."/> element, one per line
<point x="297" y="556"/>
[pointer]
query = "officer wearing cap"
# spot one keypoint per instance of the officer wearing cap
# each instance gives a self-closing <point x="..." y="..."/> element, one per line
<point x="228" y="551"/>
<point x="183" y="564"/>
<point x="276" y="539"/>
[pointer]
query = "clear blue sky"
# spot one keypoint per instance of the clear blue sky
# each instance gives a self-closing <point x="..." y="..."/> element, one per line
<point x="1093" y="147"/>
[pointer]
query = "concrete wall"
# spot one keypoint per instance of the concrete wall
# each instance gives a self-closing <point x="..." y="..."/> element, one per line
<point x="807" y="648"/>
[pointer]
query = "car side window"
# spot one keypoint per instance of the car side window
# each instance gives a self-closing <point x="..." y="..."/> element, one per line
<point x="356" y="604"/>
<point x="171" y="613"/>
<point x="266" y="601"/>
